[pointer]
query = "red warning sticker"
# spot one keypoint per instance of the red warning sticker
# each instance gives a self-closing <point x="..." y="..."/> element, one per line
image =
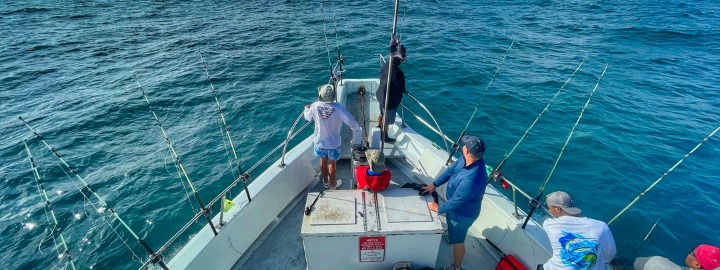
<point x="372" y="248"/>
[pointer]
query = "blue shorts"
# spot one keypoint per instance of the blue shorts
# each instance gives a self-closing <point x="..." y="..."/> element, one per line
<point x="333" y="154"/>
<point x="458" y="227"/>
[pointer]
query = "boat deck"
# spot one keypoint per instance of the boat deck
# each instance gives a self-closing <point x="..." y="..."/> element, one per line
<point x="281" y="247"/>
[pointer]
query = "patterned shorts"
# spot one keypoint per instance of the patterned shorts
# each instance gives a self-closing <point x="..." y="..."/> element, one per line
<point x="333" y="154"/>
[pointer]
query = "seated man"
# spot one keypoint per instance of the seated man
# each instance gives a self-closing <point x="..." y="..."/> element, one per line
<point x="701" y="257"/>
<point x="577" y="242"/>
<point x="375" y="176"/>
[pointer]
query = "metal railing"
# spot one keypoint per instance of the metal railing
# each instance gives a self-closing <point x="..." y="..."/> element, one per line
<point x="515" y="190"/>
<point x="220" y="195"/>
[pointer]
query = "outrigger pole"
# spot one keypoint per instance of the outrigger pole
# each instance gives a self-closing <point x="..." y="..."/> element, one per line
<point x="663" y="175"/>
<point x="206" y="211"/>
<point x="535" y="203"/>
<point x="507" y="156"/>
<point x="243" y="176"/>
<point x="456" y="145"/>
<point x="41" y="189"/>
<point x="383" y="128"/>
<point x="154" y="257"/>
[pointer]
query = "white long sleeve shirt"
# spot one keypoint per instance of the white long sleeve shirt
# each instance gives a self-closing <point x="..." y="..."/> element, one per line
<point x="328" y="117"/>
<point x="579" y="243"/>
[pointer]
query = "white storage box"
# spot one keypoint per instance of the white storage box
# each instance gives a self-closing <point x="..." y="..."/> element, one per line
<point x="355" y="229"/>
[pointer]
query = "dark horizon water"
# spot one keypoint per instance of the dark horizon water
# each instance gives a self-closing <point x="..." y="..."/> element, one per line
<point x="67" y="68"/>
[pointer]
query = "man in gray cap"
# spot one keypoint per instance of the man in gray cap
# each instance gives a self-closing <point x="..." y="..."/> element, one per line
<point x="577" y="242"/>
<point x="329" y="117"/>
<point x="466" y="180"/>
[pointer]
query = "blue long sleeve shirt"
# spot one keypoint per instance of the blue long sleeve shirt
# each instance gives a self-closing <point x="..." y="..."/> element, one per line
<point x="465" y="188"/>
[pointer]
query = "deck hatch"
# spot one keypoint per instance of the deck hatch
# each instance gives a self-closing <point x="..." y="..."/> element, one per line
<point x="334" y="211"/>
<point x="402" y="208"/>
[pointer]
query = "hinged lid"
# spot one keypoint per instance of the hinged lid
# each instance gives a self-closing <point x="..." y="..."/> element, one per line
<point x="334" y="211"/>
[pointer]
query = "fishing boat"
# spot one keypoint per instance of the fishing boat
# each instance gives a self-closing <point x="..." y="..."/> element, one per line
<point x="265" y="233"/>
<point x="284" y="219"/>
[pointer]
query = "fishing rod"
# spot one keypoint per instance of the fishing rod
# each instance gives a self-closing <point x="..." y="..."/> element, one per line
<point x="535" y="203"/>
<point x="48" y="207"/>
<point x="338" y="70"/>
<point x="385" y="125"/>
<point x="243" y="176"/>
<point x="663" y="175"/>
<point x="646" y="237"/>
<point x="155" y="258"/>
<point x="456" y="145"/>
<point x="507" y="156"/>
<point x="203" y="208"/>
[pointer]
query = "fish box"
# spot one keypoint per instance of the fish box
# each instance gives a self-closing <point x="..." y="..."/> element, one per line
<point x="357" y="229"/>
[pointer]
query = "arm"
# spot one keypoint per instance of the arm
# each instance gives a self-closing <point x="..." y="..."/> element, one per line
<point x="349" y="120"/>
<point x="462" y="195"/>
<point x="308" y="112"/>
<point x="401" y="81"/>
<point x="609" y="249"/>
<point x="444" y="176"/>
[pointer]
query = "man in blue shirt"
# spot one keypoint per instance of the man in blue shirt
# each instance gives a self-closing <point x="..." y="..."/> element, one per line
<point x="466" y="180"/>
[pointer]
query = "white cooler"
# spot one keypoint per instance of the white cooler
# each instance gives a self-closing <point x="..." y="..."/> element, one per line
<point x="356" y="229"/>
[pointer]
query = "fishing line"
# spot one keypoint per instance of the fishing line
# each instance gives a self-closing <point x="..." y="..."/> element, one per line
<point x="227" y="132"/>
<point x="187" y="195"/>
<point x="327" y="44"/>
<point x="663" y="175"/>
<point x="402" y="23"/>
<point x="48" y="207"/>
<point x="457" y="142"/>
<point x="86" y="199"/>
<point x="535" y="203"/>
<point x="557" y="160"/>
<point x="206" y="211"/>
<point x="507" y="156"/>
<point x="91" y="190"/>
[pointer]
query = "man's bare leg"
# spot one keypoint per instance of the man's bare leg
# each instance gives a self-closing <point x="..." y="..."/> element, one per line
<point x="324" y="169"/>
<point x="458" y="254"/>
<point x="331" y="172"/>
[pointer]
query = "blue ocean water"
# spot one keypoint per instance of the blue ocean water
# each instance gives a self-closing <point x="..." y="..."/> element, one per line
<point x="67" y="67"/>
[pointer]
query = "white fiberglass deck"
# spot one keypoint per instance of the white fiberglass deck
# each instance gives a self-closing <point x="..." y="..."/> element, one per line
<point x="281" y="246"/>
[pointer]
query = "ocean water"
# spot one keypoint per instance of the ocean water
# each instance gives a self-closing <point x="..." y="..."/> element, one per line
<point x="67" y="68"/>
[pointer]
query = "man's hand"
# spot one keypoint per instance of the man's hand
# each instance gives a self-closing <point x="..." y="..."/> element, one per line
<point x="429" y="189"/>
<point x="433" y="206"/>
<point x="307" y="107"/>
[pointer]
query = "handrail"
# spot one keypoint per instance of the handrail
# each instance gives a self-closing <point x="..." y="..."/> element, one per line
<point x="523" y="193"/>
<point x="431" y="117"/>
<point x="287" y="139"/>
<point x="446" y="138"/>
<point x="276" y="149"/>
<point x="221" y="194"/>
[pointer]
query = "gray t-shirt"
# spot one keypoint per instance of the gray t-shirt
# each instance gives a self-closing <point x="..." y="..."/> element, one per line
<point x="656" y="263"/>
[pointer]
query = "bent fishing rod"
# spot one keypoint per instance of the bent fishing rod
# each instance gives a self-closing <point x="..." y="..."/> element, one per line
<point x="535" y="203"/>
<point x="663" y="175"/>
<point x="456" y="145"/>
<point x="206" y="211"/>
<point x="155" y="258"/>
<point x="507" y="156"/>
<point x="243" y="176"/>
<point x="646" y="237"/>
<point x="383" y="127"/>
<point x="48" y="207"/>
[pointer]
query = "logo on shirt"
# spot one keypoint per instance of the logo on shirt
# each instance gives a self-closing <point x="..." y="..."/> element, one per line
<point x="326" y="112"/>
<point x="577" y="251"/>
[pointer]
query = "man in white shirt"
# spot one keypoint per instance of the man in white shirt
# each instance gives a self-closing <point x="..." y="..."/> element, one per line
<point x="577" y="242"/>
<point x="329" y="116"/>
